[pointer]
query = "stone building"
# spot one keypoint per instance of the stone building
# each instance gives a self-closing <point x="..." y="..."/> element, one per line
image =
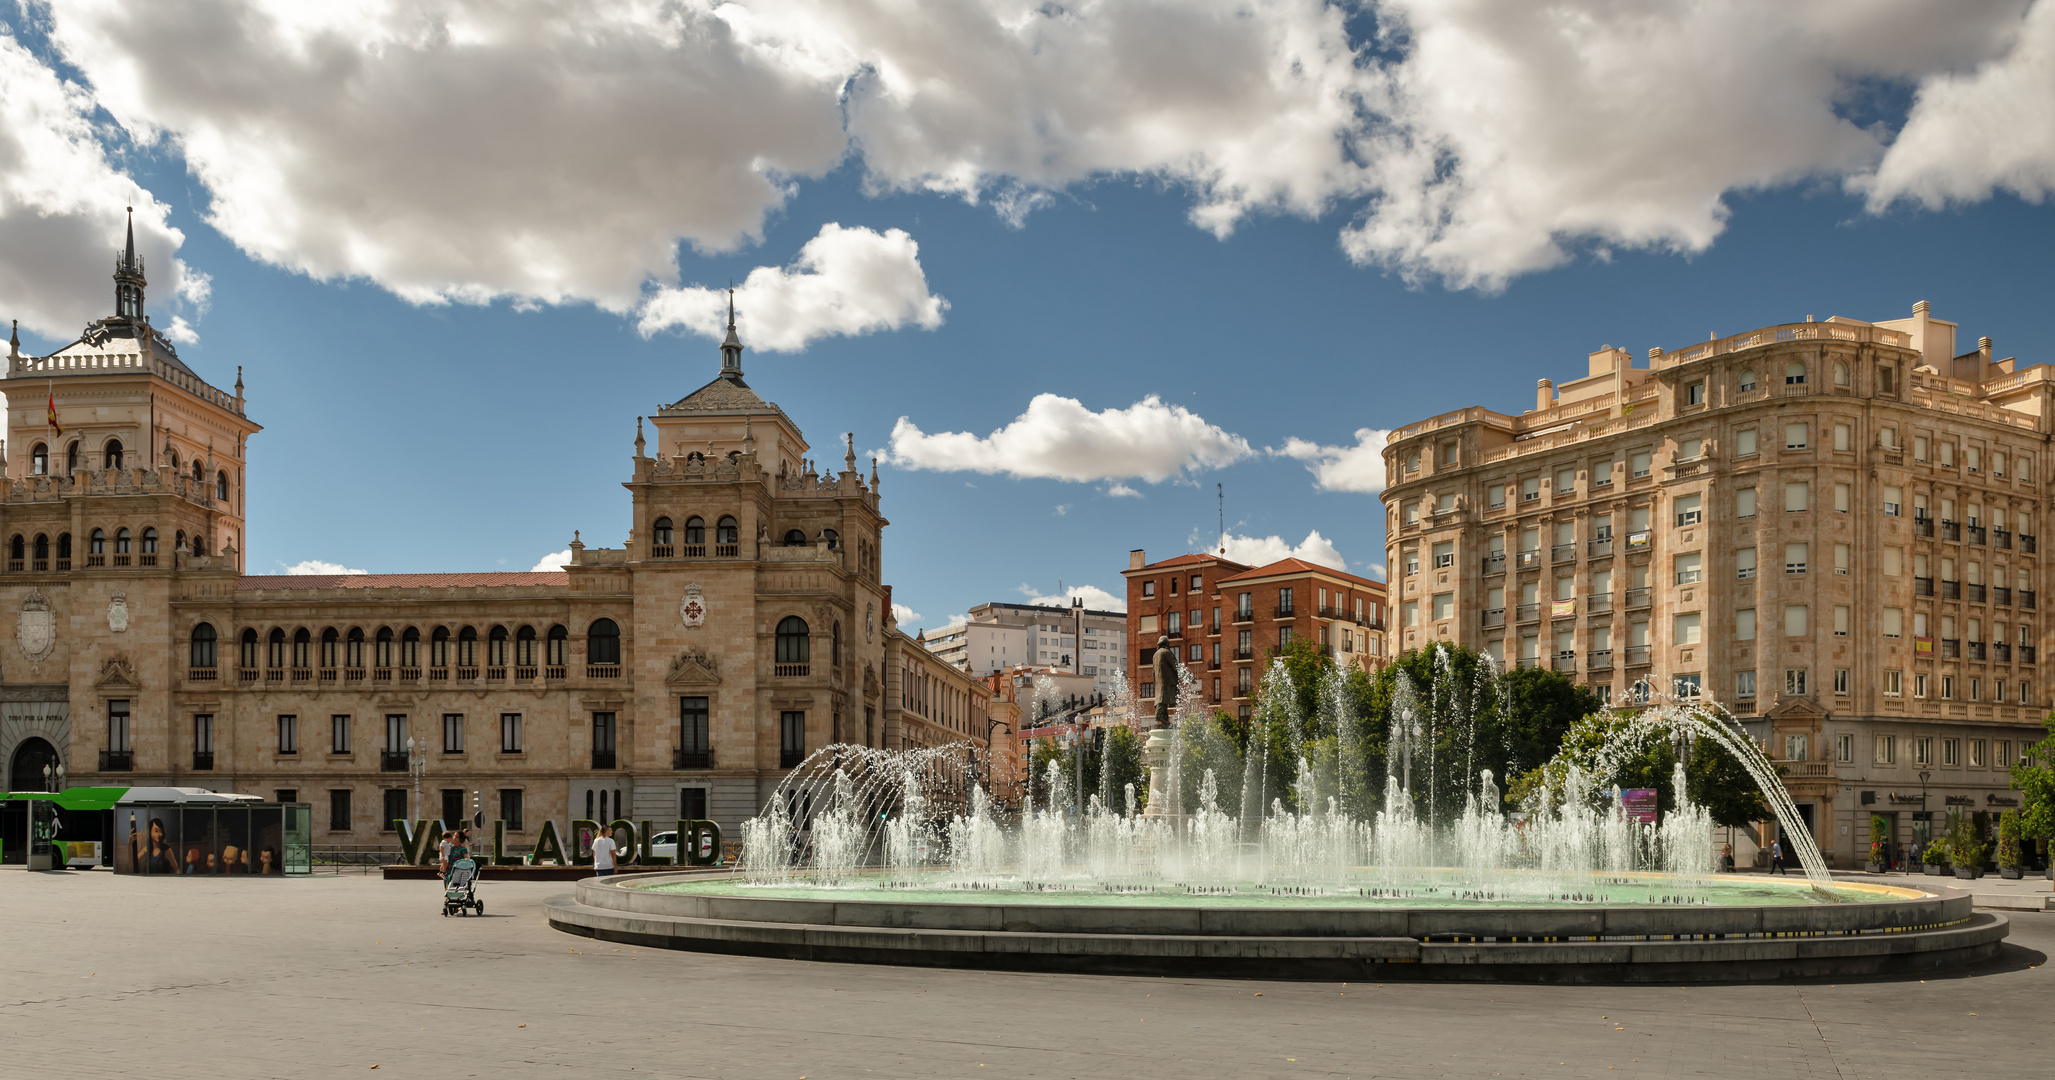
<point x="1225" y="619"/>
<point x="742" y="626"/>
<point x="994" y="637"/>
<point x="1829" y="528"/>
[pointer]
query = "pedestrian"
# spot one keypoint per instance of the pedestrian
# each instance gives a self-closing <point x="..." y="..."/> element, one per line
<point x="1726" y="858"/>
<point x="1903" y="865"/>
<point x="449" y="840"/>
<point x="603" y="848"/>
<point x="1776" y="856"/>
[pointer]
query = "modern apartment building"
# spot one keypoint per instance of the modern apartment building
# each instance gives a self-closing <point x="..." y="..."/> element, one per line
<point x="1830" y="528"/>
<point x="1225" y="619"/>
<point x="998" y="637"/>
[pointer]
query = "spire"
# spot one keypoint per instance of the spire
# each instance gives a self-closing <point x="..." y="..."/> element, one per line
<point x="731" y="348"/>
<point x="14" y="341"/>
<point x="638" y="437"/>
<point x="128" y="277"/>
<point x="128" y="258"/>
<point x="849" y="453"/>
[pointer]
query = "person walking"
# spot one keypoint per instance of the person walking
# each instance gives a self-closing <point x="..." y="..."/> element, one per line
<point x="449" y="840"/>
<point x="603" y="848"/>
<point x="1776" y="856"/>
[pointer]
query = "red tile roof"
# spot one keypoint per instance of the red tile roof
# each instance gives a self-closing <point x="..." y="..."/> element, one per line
<point x="399" y="581"/>
<point x="1299" y="566"/>
<point x="1180" y="560"/>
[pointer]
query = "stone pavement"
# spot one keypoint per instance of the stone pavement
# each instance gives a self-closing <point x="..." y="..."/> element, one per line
<point x="331" y="976"/>
<point x="1990" y="891"/>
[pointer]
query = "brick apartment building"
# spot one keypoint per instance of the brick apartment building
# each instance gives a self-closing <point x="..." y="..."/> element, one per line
<point x="1225" y="619"/>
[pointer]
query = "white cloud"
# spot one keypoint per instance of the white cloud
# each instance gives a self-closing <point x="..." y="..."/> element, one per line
<point x="1062" y="509"/>
<point x="61" y="203"/>
<point x="1342" y="468"/>
<point x="1092" y="595"/>
<point x="904" y="614"/>
<point x="1971" y="133"/>
<point x="1058" y="438"/>
<point x="846" y="281"/>
<point x="1259" y="550"/>
<point x="555" y="560"/>
<point x="319" y="568"/>
<point x="1118" y="490"/>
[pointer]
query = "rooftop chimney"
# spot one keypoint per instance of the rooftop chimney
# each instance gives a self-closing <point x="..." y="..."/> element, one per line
<point x="1544" y="394"/>
<point x="1984" y="348"/>
<point x="1136" y="560"/>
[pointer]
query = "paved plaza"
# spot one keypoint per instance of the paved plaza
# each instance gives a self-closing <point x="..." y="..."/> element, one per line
<point x="335" y="976"/>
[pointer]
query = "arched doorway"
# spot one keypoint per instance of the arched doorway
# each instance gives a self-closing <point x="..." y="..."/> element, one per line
<point x="25" y="772"/>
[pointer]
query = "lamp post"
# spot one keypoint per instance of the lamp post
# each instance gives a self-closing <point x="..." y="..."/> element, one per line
<point x="53" y="777"/>
<point x="417" y="764"/>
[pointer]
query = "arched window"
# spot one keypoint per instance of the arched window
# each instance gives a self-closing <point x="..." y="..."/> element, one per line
<point x="71" y="458"/>
<point x="496" y="647"/>
<point x="221" y="486"/>
<point x="695" y="530"/>
<point x="331" y="648"/>
<point x="121" y="541"/>
<point x="835" y="657"/>
<point x="793" y="645"/>
<point x="353" y="648"/>
<point x="795" y="538"/>
<point x="724" y="531"/>
<point x="149" y="541"/>
<point x="198" y="476"/>
<point x="171" y="457"/>
<point x="603" y="642"/>
<point x="1840" y="373"/>
<point x="42" y="551"/>
<point x="1794" y="373"/>
<point x="660" y="532"/>
<point x="39" y="460"/>
<point x="303" y="648"/>
<point x="180" y="543"/>
<point x="64" y="551"/>
<point x="199" y="544"/>
<point x="203" y="646"/>
<point x="249" y="650"/>
<point x="467" y="647"/>
<point x="96" y="542"/>
<point x="553" y="655"/>
<point x="410" y="647"/>
<point x="17" y="548"/>
<point x="381" y="648"/>
<point x="274" y="655"/>
<point x="833" y="538"/>
<point x="439" y="647"/>
<point x="113" y="453"/>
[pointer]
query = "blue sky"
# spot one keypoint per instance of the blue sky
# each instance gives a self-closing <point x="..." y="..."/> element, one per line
<point x="405" y="436"/>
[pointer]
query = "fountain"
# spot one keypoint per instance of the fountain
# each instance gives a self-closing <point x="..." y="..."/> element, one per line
<point x="1277" y="848"/>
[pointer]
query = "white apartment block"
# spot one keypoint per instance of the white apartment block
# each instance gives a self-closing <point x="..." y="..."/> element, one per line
<point x="997" y="637"/>
<point x="1828" y="527"/>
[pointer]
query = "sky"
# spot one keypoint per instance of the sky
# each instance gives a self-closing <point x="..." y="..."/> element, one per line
<point x="1083" y="277"/>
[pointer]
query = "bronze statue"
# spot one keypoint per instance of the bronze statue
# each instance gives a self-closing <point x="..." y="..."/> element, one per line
<point x="1166" y="668"/>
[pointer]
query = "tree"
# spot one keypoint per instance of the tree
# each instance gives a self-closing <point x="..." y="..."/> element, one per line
<point x="2033" y="776"/>
<point x="1712" y="776"/>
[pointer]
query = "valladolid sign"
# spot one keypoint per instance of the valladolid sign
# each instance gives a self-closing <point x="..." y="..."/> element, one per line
<point x="699" y="843"/>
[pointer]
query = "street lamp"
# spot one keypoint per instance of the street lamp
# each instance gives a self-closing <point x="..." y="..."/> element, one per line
<point x="53" y="777"/>
<point x="1923" y="777"/>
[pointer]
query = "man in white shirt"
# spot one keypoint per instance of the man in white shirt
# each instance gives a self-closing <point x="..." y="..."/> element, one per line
<point x="603" y="849"/>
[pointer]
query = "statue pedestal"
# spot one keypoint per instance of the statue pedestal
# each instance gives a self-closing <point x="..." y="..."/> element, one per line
<point x="1156" y="752"/>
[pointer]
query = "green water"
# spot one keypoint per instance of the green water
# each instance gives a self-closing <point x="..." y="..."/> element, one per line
<point x="1657" y="892"/>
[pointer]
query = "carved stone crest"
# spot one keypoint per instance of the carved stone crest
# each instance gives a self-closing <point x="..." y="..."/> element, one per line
<point x="117" y="613"/>
<point x="871" y="688"/>
<point x="36" y="630"/>
<point x="692" y="608"/>
<point x="870" y="621"/>
<point x="117" y="673"/>
<point x="695" y="667"/>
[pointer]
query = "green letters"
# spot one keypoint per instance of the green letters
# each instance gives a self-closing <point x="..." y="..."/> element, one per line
<point x="650" y="857"/>
<point x="547" y="846"/>
<point x="416" y="846"/>
<point x="581" y="854"/>
<point x="499" y="846"/>
<point x="702" y="833"/>
<point x="624" y="854"/>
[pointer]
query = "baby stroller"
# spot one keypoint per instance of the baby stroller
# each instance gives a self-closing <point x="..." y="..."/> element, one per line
<point x="460" y="889"/>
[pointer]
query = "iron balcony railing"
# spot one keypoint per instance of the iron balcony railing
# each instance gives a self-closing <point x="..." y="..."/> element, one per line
<point x="1977" y="534"/>
<point x="1565" y="663"/>
<point x="1599" y="660"/>
<point x="1527" y="663"/>
<point x="1922" y="586"/>
<point x="1976" y="650"/>
<point x="1923" y="526"/>
<point x="117" y="760"/>
<point x="1973" y="592"/>
<point x="1528" y="559"/>
<point x="2001" y="651"/>
<point x="1951" y="590"/>
<point x="602" y="759"/>
<point x="1528" y="612"/>
<point x="2025" y="597"/>
<point x="1951" y="530"/>
<point x="691" y="759"/>
<point x="1638" y="655"/>
<point x="2001" y="539"/>
<point x="1495" y="564"/>
<point x="2026" y="654"/>
<point x="2001" y="595"/>
<point x="2026" y="543"/>
<point x="1951" y="648"/>
<point x="1563" y="553"/>
<point x="1598" y="603"/>
<point x="1285" y="611"/>
<point x="1495" y="616"/>
<point x="203" y="761"/>
<point x="1600" y="547"/>
<point x="392" y="761"/>
<point x="1637" y="598"/>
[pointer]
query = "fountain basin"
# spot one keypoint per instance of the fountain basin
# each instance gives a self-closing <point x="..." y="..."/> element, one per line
<point x="1866" y="930"/>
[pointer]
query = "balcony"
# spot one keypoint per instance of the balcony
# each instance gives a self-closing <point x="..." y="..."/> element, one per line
<point x="392" y="761"/>
<point x="1637" y="541"/>
<point x="1976" y="650"/>
<point x="1973" y="592"/>
<point x="146" y="559"/>
<point x="1527" y="560"/>
<point x="2026" y="543"/>
<point x="1284" y="611"/>
<point x="1173" y="633"/>
<point x="121" y="559"/>
<point x="1494" y="616"/>
<point x="117" y="761"/>
<point x="1598" y="603"/>
<point x="1951" y="648"/>
<point x="727" y="551"/>
<point x="782" y="671"/>
<point x="1528" y="663"/>
<point x="524" y="673"/>
<point x="1599" y="660"/>
<point x="1245" y="654"/>
<point x="14" y="565"/>
<point x="603" y="759"/>
<point x="1951" y="530"/>
<point x="274" y="675"/>
<point x="1951" y="590"/>
<point x="2001" y="539"/>
<point x="1528" y="613"/>
<point x="467" y="674"/>
<point x="1600" y="547"/>
<point x="692" y="551"/>
<point x="1637" y="598"/>
<point x="2026" y="654"/>
<point x="246" y="675"/>
<point x="92" y="562"/>
<point x="2001" y="651"/>
<point x="1977" y="534"/>
<point x="202" y="674"/>
<point x="1637" y="655"/>
<point x="1922" y="586"/>
<point x="1923" y="526"/>
<point x="203" y="761"/>
<point x="2001" y="596"/>
<point x="2026" y="598"/>
<point x="303" y="675"/>
<point x="613" y="671"/>
<point x="1242" y="615"/>
<point x="660" y="551"/>
<point x="1493" y="564"/>
<point x="1565" y="663"/>
<point x="1215" y="665"/>
<point x="555" y="672"/>
<point x="691" y="759"/>
<point x="1563" y="553"/>
<point x="328" y="675"/>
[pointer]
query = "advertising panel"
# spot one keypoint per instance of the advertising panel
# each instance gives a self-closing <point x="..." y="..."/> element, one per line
<point x="1639" y="804"/>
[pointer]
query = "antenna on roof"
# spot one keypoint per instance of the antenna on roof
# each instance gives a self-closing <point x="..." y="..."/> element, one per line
<point x="1220" y="492"/>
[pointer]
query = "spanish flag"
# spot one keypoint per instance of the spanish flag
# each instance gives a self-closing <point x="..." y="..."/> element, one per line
<point x="56" y="430"/>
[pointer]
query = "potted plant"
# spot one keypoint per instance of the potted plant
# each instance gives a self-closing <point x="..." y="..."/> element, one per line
<point x="1879" y="844"/>
<point x="1933" y="857"/>
<point x="2011" y="853"/>
<point x="1966" y="849"/>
